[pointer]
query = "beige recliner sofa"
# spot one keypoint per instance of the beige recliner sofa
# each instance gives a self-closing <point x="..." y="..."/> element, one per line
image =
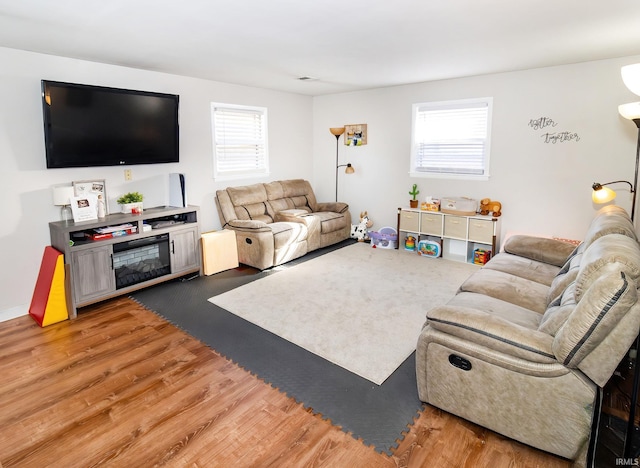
<point x="279" y="221"/>
<point x="524" y="345"/>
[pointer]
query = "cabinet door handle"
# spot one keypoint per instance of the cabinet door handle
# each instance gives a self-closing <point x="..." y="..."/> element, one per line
<point x="173" y="247"/>
<point x="112" y="266"/>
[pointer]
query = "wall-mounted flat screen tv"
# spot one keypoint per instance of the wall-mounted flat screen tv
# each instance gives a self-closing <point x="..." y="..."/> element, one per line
<point x="97" y="126"/>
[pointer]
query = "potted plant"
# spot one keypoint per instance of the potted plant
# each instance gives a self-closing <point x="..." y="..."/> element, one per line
<point x="413" y="203"/>
<point x="131" y="202"/>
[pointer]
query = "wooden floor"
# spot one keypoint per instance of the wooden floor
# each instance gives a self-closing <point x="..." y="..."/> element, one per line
<point x="121" y="387"/>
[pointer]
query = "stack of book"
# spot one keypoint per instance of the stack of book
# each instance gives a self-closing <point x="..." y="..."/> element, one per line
<point x="111" y="231"/>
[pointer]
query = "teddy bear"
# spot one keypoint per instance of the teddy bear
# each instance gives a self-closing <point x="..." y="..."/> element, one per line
<point x="487" y="205"/>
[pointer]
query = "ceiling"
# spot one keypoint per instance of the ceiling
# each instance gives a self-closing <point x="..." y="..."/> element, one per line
<point x="341" y="45"/>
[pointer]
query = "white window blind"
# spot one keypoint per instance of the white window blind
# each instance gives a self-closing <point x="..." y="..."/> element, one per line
<point x="451" y="138"/>
<point x="239" y="141"/>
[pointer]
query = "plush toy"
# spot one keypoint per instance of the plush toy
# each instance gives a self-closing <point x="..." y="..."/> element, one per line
<point x="359" y="231"/>
<point x="487" y="205"/>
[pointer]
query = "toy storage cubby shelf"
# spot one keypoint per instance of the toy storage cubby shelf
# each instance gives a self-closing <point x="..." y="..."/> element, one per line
<point x="141" y="250"/>
<point x="458" y="235"/>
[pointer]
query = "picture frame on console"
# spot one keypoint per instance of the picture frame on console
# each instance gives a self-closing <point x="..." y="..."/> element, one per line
<point x="85" y="207"/>
<point x="94" y="186"/>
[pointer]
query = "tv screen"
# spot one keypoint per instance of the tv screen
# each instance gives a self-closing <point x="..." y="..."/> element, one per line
<point x="97" y="126"/>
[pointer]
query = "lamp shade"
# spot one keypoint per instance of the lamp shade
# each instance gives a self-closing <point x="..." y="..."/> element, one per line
<point x="349" y="169"/>
<point x="62" y="195"/>
<point x="336" y="131"/>
<point x="630" y="110"/>
<point x="631" y="77"/>
<point x="603" y="195"/>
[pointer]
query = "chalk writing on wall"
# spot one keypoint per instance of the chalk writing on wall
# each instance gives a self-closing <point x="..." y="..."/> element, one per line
<point x="541" y="123"/>
<point x="560" y="137"/>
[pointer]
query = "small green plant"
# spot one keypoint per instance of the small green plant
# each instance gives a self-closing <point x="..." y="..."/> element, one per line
<point x="131" y="197"/>
<point x="414" y="191"/>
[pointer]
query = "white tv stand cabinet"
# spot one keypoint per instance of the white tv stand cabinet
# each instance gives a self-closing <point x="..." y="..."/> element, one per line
<point x="458" y="235"/>
<point x="167" y="248"/>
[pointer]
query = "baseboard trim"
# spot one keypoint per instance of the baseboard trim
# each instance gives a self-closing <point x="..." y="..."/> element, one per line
<point x="14" y="312"/>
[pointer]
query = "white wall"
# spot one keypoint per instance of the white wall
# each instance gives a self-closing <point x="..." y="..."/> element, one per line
<point x="544" y="188"/>
<point x="25" y="183"/>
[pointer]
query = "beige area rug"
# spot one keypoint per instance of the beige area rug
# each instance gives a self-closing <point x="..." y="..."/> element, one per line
<point x="358" y="307"/>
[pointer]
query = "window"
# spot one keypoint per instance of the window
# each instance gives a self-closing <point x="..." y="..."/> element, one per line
<point x="239" y="141"/>
<point x="451" y="139"/>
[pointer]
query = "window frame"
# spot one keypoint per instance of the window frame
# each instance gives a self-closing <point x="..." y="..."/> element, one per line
<point x="260" y="169"/>
<point x="451" y="104"/>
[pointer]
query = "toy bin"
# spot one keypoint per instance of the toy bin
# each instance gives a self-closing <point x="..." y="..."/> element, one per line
<point x="429" y="248"/>
<point x="385" y="238"/>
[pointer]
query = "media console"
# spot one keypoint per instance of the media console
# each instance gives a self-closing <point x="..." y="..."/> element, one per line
<point x="122" y="253"/>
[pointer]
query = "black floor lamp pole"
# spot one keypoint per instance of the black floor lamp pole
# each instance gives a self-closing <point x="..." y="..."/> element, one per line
<point x="635" y="180"/>
<point x="337" y="146"/>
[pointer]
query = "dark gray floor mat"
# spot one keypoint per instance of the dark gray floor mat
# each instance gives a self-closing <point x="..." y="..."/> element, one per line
<point x="377" y="414"/>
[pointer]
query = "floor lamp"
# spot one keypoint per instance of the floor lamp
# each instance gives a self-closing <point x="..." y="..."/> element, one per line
<point x="631" y="111"/>
<point x="337" y="131"/>
<point x="602" y="194"/>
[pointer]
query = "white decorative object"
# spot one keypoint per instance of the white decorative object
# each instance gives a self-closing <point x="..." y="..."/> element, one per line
<point x="84" y="208"/>
<point x="62" y="198"/>
<point x="459" y="206"/>
<point x="101" y="208"/>
<point x="133" y="208"/>
<point x="95" y="186"/>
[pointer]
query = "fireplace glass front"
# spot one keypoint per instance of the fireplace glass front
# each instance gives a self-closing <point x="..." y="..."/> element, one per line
<point x="141" y="260"/>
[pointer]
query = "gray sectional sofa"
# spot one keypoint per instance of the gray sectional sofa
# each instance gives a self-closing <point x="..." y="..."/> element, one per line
<point x="529" y="338"/>
<point x="279" y="221"/>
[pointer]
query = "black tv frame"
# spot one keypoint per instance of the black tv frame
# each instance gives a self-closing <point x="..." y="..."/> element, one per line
<point x="123" y="130"/>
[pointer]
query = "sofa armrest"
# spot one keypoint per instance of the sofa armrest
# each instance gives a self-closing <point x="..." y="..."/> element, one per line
<point x="248" y="225"/>
<point x="541" y="249"/>
<point x="335" y="207"/>
<point x="490" y="331"/>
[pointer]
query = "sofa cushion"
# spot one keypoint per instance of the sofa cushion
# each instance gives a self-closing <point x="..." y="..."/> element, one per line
<point x="290" y="194"/>
<point x="287" y="233"/>
<point x="329" y="221"/>
<point x="247" y="194"/>
<point x="541" y="249"/>
<point x="254" y="211"/>
<point x="614" y="252"/>
<point x="274" y="190"/>
<point x="513" y="289"/>
<point x="497" y="308"/>
<point x="300" y="192"/>
<point x="277" y="206"/>
<point x="559" y="310"/>
<point x="610" y="219"/>
<point x="567" y="275"/>
<point x="601" y="308"/>
<point x="493" y="332"/>
<point x="533" y="270"/>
